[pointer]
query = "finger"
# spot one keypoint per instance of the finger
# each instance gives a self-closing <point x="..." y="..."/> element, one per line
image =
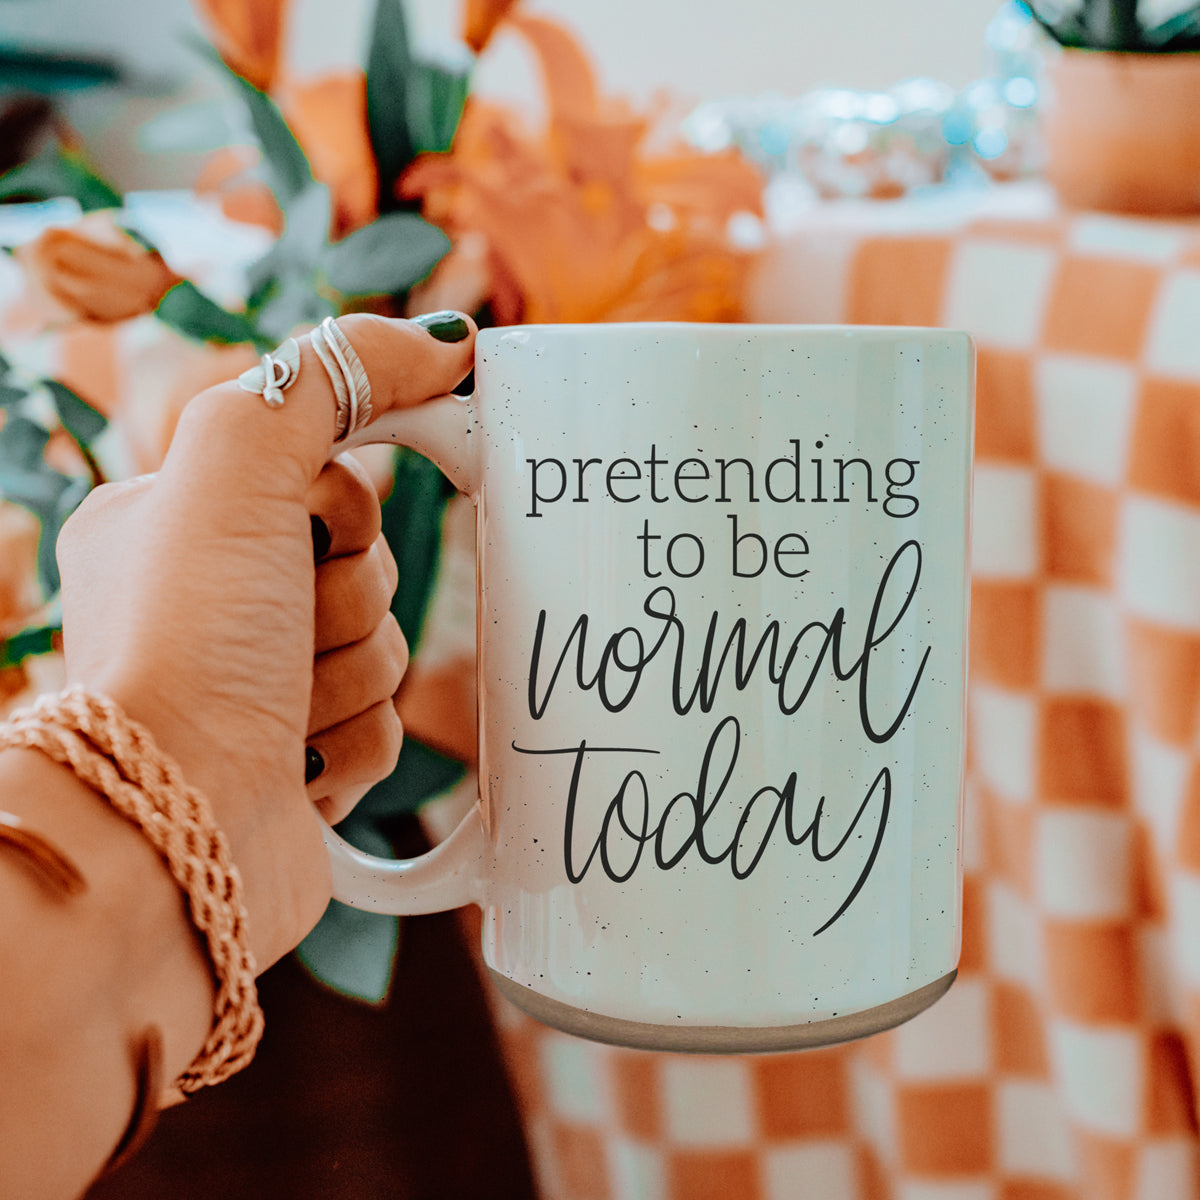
<point x="345" y="502"/>
<point x="408" y="362"/>
<point x="353" y="678"/>
<point x="353" y="594"/>
<point x="337" y="808"/>
<point x="356" y="753"/>
<point x="280" y="451"/>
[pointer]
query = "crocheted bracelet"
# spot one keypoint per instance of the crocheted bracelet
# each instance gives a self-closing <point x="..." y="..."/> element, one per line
<point x="117" y="757"/>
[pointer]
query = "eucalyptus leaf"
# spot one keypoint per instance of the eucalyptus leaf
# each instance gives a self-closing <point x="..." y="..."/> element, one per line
<point x="189" y="311"/>
<point x="1178" y="32"/>
<point x="1116" y="26"/>
<point x="58" y="172"/>
<point x="386" y="257"/>
<point x="10" y="395"/>
<point x="38" y="491"/>
<point x="28" y="643"/>
<point x="1112" y="24"/>
<point x="389" y="65"/>
<point x="352" y="951"/>
<point x="286" y="164"/>
<point x="28" y="480"/>
<point x="23" y="444"/>
<point x="348" y="950"/>
<point x="293" y="302"/>
<point x="412" y="525"/>
<point x="420" y="774"/>
<point x="51" y="72"/>
<point x="298" y="248"/>
<point x="78" y="417"/>
<point x="436" y="95"/>
<point x="68" y="500"/>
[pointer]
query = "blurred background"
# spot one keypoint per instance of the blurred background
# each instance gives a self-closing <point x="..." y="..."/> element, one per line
<point x="640" y="49"/>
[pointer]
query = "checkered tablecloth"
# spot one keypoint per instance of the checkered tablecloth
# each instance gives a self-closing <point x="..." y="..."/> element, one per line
<point x="1060" y="1066"/>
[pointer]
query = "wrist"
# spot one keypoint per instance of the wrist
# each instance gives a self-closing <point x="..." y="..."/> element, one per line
<point x="127" y="935"/>
<point x="262" y="808"/>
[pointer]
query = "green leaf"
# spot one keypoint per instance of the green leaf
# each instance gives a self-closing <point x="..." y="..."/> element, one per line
<point x="26" y="479"/>
<point x="298" y="249"/>
<point x="352" y="951"/>
<point x="49" y="73"/>
<point x="293" y="301"/>
<point x="436" y="95"/>
<point x="287" y="167"/>
<point x="288" y="172"/>
<point x="23" y="445"/>
<point x="29" y="643"/>
<point x="389" y="64"/>
<point x="412" y="525"/>
<point x="421" y="774"/>
<point x="10" y="395"/>
<point x="348" y="950"/>
<point x="386" y="257"/>
<point x="1113" y="24"/>
<point x="188" y="310"/>
<point x="69" y="499"/>
<point x="1179" y="33"/>
<point x="78" y="417"/>
<point x="58" y="172"/>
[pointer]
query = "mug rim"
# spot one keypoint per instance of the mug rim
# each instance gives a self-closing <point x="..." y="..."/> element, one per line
<point x="731" y="330"/>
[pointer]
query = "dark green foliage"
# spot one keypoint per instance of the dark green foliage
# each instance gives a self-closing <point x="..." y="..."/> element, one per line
<point x="1114" y="25"/>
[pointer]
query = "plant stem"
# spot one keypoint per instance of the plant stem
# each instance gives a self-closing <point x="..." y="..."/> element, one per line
<point x="94" y="469"/>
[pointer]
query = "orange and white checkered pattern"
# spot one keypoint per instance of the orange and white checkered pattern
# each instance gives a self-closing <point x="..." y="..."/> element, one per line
<point x="1060" y="1065"/>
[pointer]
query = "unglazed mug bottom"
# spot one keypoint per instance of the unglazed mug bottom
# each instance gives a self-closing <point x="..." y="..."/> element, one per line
<point x="721" y="1039"/>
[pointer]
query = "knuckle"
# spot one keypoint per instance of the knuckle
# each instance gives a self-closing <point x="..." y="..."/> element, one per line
<point x="388" y="738"/>
<point x="386" y="575"/>
<point x="398" y="645"/>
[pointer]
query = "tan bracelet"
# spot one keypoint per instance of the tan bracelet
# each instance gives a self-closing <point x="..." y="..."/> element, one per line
<point x="117" y="757"/>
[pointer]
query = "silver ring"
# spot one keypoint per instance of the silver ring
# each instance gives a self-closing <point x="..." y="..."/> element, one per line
<point x="275" y="373"/>
<point x="346" y="374"/>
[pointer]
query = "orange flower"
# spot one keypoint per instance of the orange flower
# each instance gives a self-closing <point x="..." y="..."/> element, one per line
<point x="19" y="593"/>
<point x="479" y="20"/>
<point x="247" y="35"/>
<point x="95" y="271"/>
<point x="329" y="118"/>
<point x="583" y="224"/>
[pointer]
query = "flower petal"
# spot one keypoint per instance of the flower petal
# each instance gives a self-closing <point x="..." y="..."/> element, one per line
<point x="479" y="21"/>
<point x="247" y="34"/>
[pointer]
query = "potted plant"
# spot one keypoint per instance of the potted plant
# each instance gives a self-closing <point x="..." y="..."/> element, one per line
<point x="1121" y="98"/>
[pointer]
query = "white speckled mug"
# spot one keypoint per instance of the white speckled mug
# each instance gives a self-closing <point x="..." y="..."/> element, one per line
<point x="722" y="622"/>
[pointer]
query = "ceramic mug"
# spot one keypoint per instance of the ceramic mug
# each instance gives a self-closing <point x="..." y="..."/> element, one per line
<point x="722" y="614"/>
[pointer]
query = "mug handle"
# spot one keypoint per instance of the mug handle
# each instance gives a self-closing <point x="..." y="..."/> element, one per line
<point x="446" y="431"/>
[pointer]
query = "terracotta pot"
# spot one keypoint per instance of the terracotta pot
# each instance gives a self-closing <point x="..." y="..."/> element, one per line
<point x="1121" y="131"/>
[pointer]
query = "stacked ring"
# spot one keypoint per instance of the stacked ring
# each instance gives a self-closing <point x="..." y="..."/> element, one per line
<point x="346" y="374"/>
<point x="277" y="371"/>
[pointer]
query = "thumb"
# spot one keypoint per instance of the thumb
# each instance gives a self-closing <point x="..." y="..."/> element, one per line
<point x="239" y="443"/>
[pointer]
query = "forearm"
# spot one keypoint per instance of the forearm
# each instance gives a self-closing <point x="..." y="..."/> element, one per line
<point x="82" y="979"/>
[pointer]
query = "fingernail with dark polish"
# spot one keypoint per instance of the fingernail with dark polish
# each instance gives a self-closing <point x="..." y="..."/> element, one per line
<point x="322" y="538"/>
<point x="467" y="387"/>
<point x="314" y="764"/>
<point x="446" y="326"/>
